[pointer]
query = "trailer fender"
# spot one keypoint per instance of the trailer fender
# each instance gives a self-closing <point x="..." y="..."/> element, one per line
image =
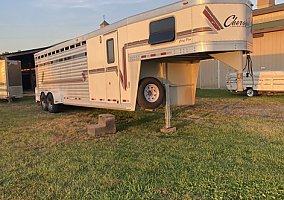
<point x="57" y="96"/>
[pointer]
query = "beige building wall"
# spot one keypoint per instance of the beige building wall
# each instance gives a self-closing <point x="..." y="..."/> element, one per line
<point x="212" y="75"/>
<point x="269" y="51"/>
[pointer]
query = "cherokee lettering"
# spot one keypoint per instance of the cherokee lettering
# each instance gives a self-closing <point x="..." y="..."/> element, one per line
<point x="232" y="21"/>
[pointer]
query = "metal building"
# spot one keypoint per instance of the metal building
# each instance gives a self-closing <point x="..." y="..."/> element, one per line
<point x="268" y="29"/>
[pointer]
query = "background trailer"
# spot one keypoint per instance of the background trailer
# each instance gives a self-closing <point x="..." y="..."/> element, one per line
<point x="27" y="66"/>
<point x="10" y="79"/>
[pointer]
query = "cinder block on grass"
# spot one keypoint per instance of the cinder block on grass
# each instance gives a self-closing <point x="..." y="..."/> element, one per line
<point x="106" y="125"/>
<point x="108" y="121"/>
<point x="96" y="130"/>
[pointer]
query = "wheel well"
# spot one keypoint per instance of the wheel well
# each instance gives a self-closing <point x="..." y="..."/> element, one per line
<point x="159" y="79"/>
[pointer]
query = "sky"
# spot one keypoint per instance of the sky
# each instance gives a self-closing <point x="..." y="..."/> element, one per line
<point x="28" y="24"/>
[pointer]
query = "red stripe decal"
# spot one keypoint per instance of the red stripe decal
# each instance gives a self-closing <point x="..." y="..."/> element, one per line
<point x="124" y="83"/>
<point x="153" y="55"/>
<point x="211" y="20"/>
<point x="164" y="53"/>
<point x="214" y="17"/>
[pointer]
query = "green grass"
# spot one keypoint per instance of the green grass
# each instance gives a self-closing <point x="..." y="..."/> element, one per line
<point x="226" y="147"/>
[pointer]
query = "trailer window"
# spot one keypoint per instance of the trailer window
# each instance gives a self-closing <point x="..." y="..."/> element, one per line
<point x="110" y="51"/>
<point x="162" y="31"/>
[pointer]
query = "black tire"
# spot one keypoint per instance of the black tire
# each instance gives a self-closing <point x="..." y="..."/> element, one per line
<point x="52" y="108"/>
<point x="250" y="92"/>
<point x="43" y="102"/>
<point x="151" y="93"/>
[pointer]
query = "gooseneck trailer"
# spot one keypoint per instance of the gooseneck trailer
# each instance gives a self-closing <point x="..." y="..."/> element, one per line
<point x="140" y="60"/>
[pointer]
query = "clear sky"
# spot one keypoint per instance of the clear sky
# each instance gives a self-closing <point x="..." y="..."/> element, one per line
<point x="27" y="24"/>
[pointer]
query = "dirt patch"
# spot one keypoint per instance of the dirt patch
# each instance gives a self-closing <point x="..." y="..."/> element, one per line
<point x="243" y="107"/>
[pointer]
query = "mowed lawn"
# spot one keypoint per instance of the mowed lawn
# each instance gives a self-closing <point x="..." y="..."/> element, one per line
<point x="227" y="147"/>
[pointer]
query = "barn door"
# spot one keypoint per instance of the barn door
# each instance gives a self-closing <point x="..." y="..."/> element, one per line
<point x="112" y="61"/>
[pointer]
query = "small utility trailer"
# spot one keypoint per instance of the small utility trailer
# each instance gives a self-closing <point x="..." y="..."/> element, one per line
<point x="147" y="59"/>
<point x="10" y="80"/>
<point x="260" y="82"/>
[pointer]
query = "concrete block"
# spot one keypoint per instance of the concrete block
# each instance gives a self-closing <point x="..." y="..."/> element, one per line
<point x="106" y="125"/>
<point x="96" y="130"/>
<point x="169" y="130"/>
<point x="108" y="121"/>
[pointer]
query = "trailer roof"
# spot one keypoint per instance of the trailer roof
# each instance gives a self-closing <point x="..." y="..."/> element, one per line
<point x="144" y="16"/>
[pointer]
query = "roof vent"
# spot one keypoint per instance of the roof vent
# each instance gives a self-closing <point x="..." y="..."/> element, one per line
<point x="104" y="24"/>
<point x="265" y="3"/>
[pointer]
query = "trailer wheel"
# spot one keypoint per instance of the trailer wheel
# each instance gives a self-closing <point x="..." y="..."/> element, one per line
<point x="250" y="92"/>
<point x="52" y="108"/>
<point x="43" y="102"/>
<point x="151" y="93"/>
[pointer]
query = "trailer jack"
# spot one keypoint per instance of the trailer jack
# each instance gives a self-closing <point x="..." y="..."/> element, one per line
<point x="168" y="114"/>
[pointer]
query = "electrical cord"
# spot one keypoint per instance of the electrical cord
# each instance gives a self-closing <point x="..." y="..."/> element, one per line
<point x="249" y="68"/>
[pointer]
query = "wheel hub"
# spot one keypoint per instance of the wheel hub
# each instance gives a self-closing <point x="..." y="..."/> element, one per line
<point x="250" y="93"/>
<point x="151" y="93"/>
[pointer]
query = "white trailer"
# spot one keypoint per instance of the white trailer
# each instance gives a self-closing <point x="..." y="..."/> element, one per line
<point x="10" y="79"/>
<point x="260" y="82"/>
<point x="130" y="62"/>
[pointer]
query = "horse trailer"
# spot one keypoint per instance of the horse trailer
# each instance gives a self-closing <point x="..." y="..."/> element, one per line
<point x="128" y="64"/>
<point x="10" y="79"/>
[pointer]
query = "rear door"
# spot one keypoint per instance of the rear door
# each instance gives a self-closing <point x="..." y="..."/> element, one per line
<point x="14" y="73"/>
<point x="112" y="62"/>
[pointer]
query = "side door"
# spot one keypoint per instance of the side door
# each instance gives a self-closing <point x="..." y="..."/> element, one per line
<point x="111" y="68"/>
